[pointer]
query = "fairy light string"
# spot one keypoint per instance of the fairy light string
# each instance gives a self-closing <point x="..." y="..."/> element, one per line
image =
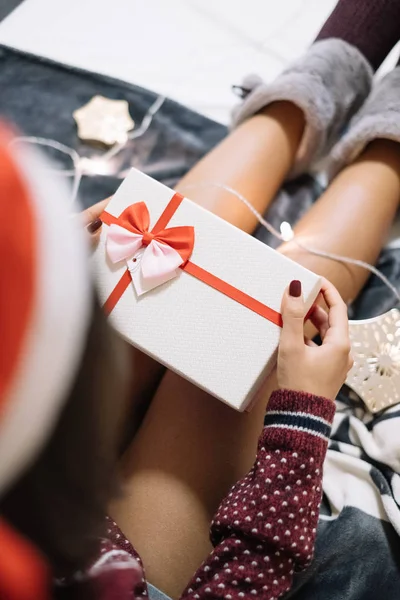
<point x="286" y="234"/>
<point x="81" y="166"/>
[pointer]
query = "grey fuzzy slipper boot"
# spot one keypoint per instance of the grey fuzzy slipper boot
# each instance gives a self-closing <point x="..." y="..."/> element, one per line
<point x="378" y="118"/>
<point x="329" y="83"/>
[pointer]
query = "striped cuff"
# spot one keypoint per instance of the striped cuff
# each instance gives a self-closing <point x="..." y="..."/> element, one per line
<point x="297" y="420"/>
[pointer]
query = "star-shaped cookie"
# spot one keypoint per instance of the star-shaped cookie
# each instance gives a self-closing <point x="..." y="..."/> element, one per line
<point x="104" y="121"/>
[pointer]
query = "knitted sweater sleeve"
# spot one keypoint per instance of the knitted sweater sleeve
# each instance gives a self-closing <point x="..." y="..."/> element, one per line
<point x="264" y="530"/>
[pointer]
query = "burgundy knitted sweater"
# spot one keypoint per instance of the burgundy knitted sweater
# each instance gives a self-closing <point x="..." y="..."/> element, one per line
<point x="264" y="530"/>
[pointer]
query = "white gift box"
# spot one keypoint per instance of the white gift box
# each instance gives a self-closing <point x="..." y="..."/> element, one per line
<point x="225" y="344"/>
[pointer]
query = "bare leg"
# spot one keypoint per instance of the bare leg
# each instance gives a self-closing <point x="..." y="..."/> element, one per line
<point x="254" y="160"/>
<point x="191" y="448"/>
<point x="352" y="218"/>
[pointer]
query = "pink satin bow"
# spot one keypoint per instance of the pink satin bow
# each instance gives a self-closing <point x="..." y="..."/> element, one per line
<point x="166" y="249"/>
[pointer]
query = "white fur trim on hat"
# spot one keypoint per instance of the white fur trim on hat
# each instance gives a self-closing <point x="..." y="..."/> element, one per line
<point x="57" y="330"/>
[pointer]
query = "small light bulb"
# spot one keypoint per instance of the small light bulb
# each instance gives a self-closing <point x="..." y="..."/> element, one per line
<point x="96" y="166"/>
<point x="286" y="231"/>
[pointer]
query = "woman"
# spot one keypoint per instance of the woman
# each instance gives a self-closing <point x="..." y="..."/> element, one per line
<point x="169" y="502"/>
<point x="263" y="530"/>
<point x="282" y="129"/>
<point x="173" y="488"/>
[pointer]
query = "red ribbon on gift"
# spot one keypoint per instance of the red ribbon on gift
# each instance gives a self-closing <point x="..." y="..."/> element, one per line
<point x="180" y="239"/>
<point x="165" y="249"/>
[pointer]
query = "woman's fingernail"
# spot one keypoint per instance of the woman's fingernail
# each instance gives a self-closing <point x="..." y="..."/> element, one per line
<point x="94" y="225"/>
<point x="295" y="288"/>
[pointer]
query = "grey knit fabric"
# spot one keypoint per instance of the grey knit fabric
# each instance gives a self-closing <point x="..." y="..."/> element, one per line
<point x="329" y="83"/>
<point x="378" y="118"/>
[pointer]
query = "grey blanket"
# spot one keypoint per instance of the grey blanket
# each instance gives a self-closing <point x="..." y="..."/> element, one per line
<point x="39" y="96"/>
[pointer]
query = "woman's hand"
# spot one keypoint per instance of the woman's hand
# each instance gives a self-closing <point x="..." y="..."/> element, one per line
<point x="304" y="366"/>
<point x="91" y="218"/>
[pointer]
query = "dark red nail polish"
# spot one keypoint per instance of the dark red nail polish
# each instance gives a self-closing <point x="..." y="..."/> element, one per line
<point x="94" y="225"/>
<point x="295" y="288"/>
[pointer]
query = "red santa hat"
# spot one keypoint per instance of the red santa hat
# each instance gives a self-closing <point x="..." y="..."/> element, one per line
<point x="44" y="315"/>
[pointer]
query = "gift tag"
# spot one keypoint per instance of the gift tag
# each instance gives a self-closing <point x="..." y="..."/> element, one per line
<point x="375" y="347"/>
<point x="141" y="284"/>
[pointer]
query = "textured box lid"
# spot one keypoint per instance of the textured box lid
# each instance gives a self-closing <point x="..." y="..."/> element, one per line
<point x="210" y="339"/>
